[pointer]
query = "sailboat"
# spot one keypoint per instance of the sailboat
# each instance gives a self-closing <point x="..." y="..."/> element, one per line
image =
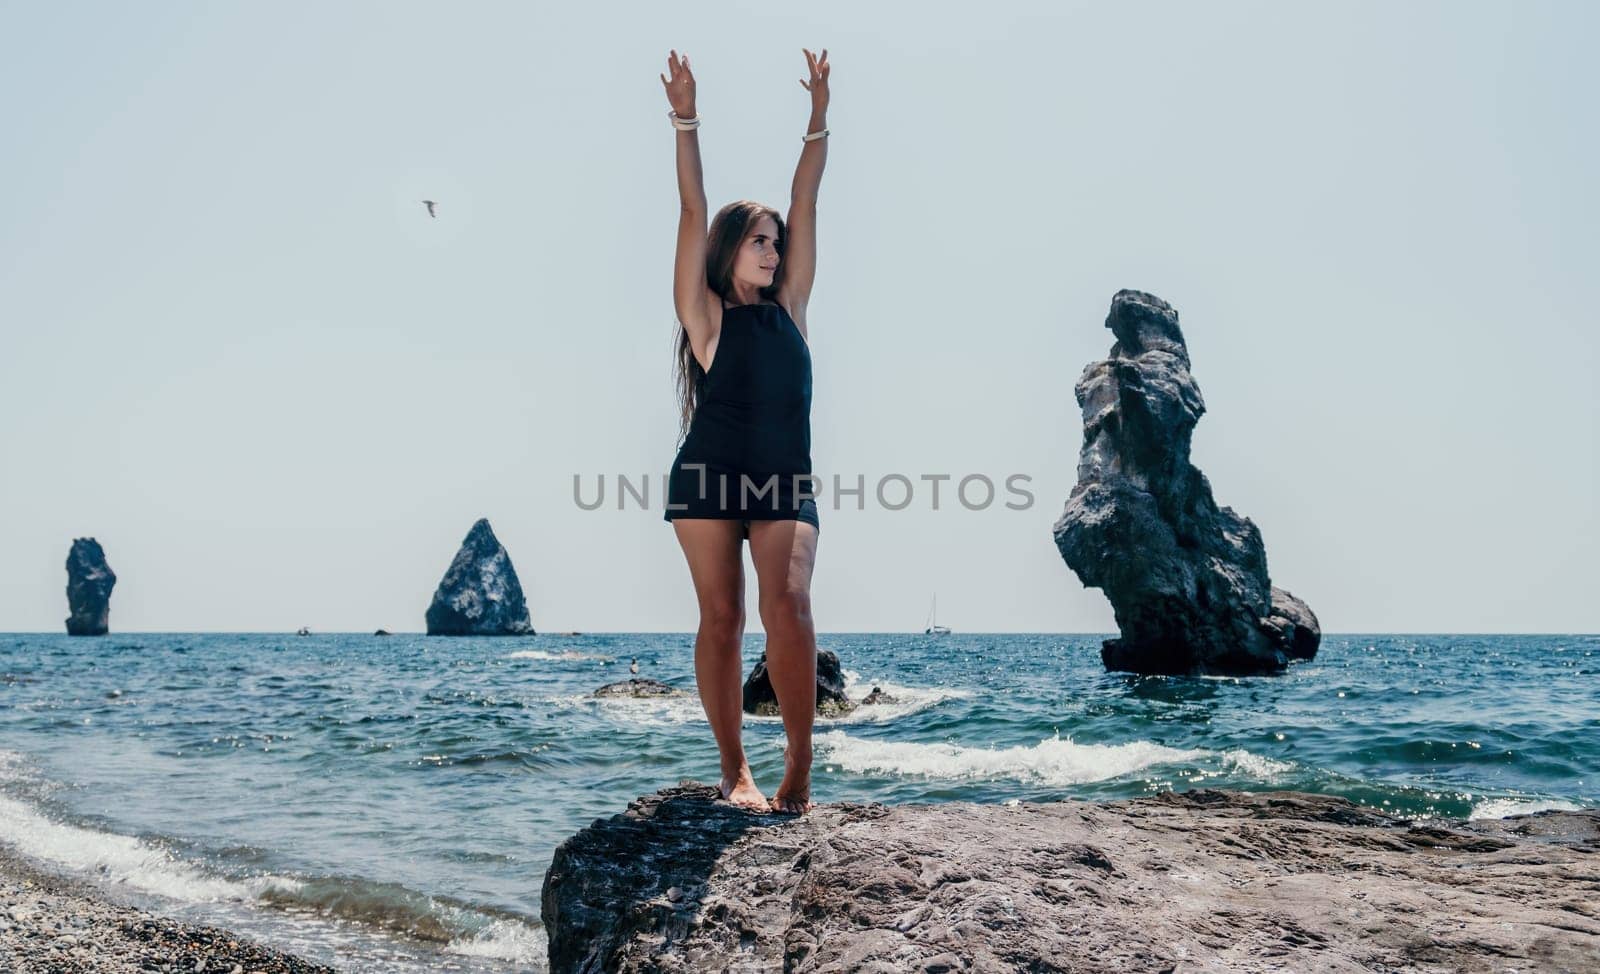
<point x="934" y="629"/>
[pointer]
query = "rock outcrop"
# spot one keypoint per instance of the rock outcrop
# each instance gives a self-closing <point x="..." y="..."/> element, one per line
<point x="89" y="584"/>
<point x="831" y="700"/>
<point x="1202" y="880"/>
<point x="877" y="696"/>
<point x="1186" y="579"/>
<point x="480" y="594"/>
<point x="639" y="687"/>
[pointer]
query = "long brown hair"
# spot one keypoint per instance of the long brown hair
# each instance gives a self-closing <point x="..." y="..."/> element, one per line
<point x="728" y="229"/>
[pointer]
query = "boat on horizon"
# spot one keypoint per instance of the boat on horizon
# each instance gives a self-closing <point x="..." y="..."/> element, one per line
<point x="934" y="629"/>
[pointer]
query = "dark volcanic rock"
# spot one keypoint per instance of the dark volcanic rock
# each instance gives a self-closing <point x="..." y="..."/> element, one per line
<point x="1294" y="625"/>
<point x="1187" y="579"/>
<point x="1216" y="881"/>
<point x="878" y="696"/>
<point x="831" y="700"/>
<point x="89" y="584"/>
<point x="480" y="594"/>
<point x="639" y="687"/>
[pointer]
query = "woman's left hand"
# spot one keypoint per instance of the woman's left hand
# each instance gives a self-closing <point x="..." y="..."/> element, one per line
<point x="818" y="85"/>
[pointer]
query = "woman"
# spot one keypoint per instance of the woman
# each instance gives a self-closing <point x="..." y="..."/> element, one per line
<point x="743" y="468"/>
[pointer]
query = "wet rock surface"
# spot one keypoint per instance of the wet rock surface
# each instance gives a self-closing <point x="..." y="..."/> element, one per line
<point x="1196" y="881"/>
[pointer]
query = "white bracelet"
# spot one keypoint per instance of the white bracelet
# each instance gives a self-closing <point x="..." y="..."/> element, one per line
<point x="812" y="137"/>
<point x="683" y="124"/>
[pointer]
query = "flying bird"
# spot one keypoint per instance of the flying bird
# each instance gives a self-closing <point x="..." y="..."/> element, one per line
<point x="430" y="204"/>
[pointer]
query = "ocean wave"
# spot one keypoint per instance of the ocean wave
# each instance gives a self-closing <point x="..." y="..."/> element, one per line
<point x="1050" y="762"/>
<point x="122" y="859"/>
<point x="567" y="654"/>
<point x="908" y="699"/>
<point x="1502" y="807"/>
<point x="1053" y="761"/>
<point x="687" y="709"/>
<point x="1254" y="766"/>
<point x="640" y="711"/>
<point x="509" y="940"/>
<point x="145" y="866"/>
<point x="457" y="927"/>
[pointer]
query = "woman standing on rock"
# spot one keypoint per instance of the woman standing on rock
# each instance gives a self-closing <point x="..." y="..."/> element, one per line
<point x="743" y="468"/>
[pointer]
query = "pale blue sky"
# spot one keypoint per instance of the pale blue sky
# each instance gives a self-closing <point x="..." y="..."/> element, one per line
<point x="237" y="351"/>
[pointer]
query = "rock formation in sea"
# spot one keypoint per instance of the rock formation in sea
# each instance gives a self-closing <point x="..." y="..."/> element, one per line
<point x="480" y="594"/>
<point x="877" y="696"/>
<point x="639" y="687"/>
<point x="831" y="699"/>
<point x="1187" y="579"/>
<point x="89" y="584"/>
<point x="1202" y="880"/>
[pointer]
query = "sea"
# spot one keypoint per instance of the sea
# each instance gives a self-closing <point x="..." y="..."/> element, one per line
<point x="392" y="803"/>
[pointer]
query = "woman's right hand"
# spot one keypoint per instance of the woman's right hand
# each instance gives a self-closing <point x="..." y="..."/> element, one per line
<point x="680" y="87"/>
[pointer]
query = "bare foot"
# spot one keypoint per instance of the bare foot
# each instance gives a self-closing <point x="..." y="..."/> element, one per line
<point x="740" y="789"/>
<point x="793" y="796"/>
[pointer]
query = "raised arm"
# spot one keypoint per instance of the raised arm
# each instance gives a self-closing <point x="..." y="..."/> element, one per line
<point x="800" y="249"/>
<point x="690" y="292"/>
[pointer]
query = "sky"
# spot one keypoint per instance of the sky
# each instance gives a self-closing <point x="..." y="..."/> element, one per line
<point x="235" y="349"/>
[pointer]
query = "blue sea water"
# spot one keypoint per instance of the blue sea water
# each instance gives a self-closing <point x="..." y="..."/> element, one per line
<point x="392" y="803"/>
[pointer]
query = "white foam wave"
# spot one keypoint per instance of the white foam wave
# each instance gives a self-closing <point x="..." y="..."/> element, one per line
<point x="122" y="858"/>
<point x="642" y="711"/>
<point x="1241" y="762"/>
<point x="1501" y="807"/>
<point x="148" y="868"/>
<point x="908" y="700"/>
<point x="566" y="654"/>
<point x="504" y="940"/>
<point x="1051" y="762"/>
<point x="676" y="711"/>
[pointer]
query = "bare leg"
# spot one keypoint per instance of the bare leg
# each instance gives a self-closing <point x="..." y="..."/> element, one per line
<point x="784" y="553"/>
<point x="715" y="551"/>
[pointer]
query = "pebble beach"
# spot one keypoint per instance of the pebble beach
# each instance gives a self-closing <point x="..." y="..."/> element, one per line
<point x="54" y="925"/>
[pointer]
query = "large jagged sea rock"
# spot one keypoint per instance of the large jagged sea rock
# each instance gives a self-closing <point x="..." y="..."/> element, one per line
<point x="89" y="584"/>
<point x="759" y="697"/>
<point x="1186" y="579"/>
<point x="1203" y="880"/>
<point x="480" y="594"/>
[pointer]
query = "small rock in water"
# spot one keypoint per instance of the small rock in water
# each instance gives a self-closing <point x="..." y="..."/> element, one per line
<point x="878" y="696"/>
<point x="639" y="687"/>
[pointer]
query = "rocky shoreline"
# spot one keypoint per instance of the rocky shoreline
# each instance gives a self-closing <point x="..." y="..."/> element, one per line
<point x="54" y="925"/>
<point x="1204" y="880"/>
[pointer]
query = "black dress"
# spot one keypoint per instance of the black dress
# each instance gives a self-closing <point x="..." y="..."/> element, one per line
<point x="747" y="454"/>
